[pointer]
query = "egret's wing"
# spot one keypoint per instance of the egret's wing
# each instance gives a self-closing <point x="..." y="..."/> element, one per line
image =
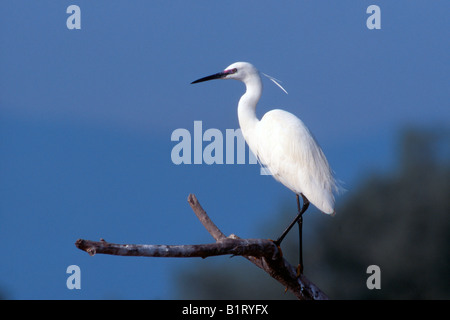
<point x="288" y="149"/>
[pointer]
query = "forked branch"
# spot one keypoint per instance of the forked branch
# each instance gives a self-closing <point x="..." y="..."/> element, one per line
<point x="261" y="252"/>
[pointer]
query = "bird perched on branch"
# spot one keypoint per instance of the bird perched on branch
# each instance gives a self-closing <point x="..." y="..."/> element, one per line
<point x="285" y="146"/>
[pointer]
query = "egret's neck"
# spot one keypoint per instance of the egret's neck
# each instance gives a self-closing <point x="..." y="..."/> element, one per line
<point x="247" y="108"/>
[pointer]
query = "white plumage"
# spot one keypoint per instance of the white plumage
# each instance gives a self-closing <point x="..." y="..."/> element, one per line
<point x="284" y="145"/>
<point x="287" y="148"/>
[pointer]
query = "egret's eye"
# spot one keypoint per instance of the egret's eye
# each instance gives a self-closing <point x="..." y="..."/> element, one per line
<point x="230" y="71"/>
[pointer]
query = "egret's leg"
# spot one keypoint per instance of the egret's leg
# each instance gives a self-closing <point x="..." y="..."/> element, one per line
<point x="300" y="234"/>
<point x="297" y="218"/>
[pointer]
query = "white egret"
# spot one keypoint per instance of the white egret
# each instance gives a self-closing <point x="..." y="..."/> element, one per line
<point x="284" y="145"/>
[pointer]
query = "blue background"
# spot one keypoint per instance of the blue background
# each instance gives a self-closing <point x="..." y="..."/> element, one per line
<point x="86" y="118"/>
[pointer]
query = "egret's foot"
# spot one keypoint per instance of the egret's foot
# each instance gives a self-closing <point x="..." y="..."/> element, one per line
<point x="299" y="270"/>
<point x="277" y="243"/>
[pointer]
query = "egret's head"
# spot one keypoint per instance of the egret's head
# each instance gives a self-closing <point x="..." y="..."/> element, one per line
<point x="238" y="71"/>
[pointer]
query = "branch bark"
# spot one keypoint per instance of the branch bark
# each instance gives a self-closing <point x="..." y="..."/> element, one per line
<point x="261" y="252"/>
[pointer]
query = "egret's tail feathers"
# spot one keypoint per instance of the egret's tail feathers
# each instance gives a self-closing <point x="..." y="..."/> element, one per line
<point x="339" y="187"/>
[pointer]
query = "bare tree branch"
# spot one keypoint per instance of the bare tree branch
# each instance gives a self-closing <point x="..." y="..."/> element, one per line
<point x="237" y="247"/>
<point x="262" y="252"/>
<point x="204" y="218"/>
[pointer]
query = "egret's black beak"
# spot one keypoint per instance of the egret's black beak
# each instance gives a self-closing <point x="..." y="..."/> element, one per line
<point x="218" y="75"/>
